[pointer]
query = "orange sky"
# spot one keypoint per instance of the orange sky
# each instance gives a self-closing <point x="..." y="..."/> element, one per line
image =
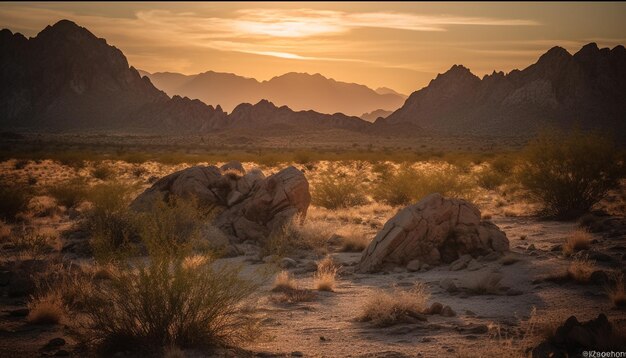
<point x="398" y="45"/>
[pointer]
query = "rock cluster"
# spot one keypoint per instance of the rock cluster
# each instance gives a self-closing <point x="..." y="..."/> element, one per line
<point x="249" y="205"/>
<point x="435" y="230"/>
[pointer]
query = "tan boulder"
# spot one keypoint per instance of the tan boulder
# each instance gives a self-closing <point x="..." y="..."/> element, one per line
<point x="249" y="205"/>
<point x="435" y="230"/>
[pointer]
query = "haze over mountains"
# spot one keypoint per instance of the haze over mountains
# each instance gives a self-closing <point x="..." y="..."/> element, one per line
<point x="67" y="79"/>
<point x="298" y="91"/>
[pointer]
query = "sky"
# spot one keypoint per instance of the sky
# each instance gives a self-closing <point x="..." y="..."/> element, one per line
<point x="400" y="45"/>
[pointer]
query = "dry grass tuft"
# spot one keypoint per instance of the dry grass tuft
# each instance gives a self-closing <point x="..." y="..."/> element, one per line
<point x="47" y="309"/>
<point x="617" y="294"/>
<point x="325" y="278"/>
<point x="486" y="284"/>
<point x="284" y="282"/>
<point x="354" y="240"/>
<point x="386" y="308"/>
<point x="578" y="240"/>
<point x="580" y="270"/>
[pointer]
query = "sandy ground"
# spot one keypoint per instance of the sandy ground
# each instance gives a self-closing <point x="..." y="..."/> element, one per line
<point x="327" y="326"/>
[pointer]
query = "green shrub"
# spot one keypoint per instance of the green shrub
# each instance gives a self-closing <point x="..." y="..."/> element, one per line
<point x="69" y="193"/>
<point x="13" y="200"/>
<point x="338" y="191"/>
<point x="409" y="185"/>
<point x="570" y="172"/>
<point x="187" y="302"/>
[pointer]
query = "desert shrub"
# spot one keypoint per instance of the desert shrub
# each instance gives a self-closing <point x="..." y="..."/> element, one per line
<point x="576" y="241"/>
<point x="170" y="228"/>
<point x="284" y="282"/>
<point x="298" y="234"/>
<point x="20" y="164"/>
<point x="385" y="308"/>
<point x="617" y="293"/>
<point x="334" y="191"/>
<point x="69" y="193"/>
<point x="46" y="309"/>
<point x="489" y="178"/>
<point x="325" y="278"/>
<point x="27" y="243"/>
<point x="485" y="284"/>
<point x="354" y="240"/>
<point x="302" y="157"/>
<point x="569" y="173"/>
<point x="110" y="223"/>
<point x="13" y="200"/>
<point x="409" y="185"/>
<point x="580" y="270"/>
<point x="166" y="302"/>
<point x="102" y="171"/>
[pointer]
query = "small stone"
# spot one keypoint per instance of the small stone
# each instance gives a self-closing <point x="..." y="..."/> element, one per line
<point x="556" y="248"/>
<point x="425" y="267"/>
<point x="56" y="342"/>
<point x="413" y="265"/>
<point x="297" y="354"/>
<point x="435" y="308"/>
<point x="447" y="311"/>
<point x="448" y="285"/>
<point x="270" y="258"/>
<point x="287" y="263"/>
<point x="473" y="265"/>
<point x="460" y="263"/>
<point x="323" y="339"/>
<point x="513" y="292"/>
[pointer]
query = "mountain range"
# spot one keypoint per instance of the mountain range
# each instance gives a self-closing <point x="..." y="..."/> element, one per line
<point x="298" y="91"/>
<point x="585" y="90"/>
<point x="67" y="79"/>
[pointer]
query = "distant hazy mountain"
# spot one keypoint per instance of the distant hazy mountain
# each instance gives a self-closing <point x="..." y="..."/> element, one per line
<point x="299" y="91"/>
<point x="374" y="115"/>
<point x="67" y="79"/>
<point x="587" y="90"/>
<point x="386" y="90"/>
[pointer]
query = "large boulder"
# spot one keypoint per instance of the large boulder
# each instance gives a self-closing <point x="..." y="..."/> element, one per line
<point x="248" y="205"/>
<point x="435" y="230"/>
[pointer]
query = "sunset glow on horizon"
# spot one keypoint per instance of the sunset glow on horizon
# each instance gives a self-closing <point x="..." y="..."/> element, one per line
<point x="397" y="45"/>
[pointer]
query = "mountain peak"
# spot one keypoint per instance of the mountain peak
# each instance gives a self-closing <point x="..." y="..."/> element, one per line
<point x="64" y="28"/>
<point x="456" y="72"/>
<point x="555" y="54"/>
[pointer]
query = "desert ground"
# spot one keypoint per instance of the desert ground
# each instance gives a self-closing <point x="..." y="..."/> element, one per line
<point x="495" y="305"/>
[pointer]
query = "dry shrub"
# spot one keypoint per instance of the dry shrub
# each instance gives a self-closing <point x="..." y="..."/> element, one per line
<point x="334" y="191"/>
<point x="569" y="173"/>
<point x="13" y="200"/>
<point x="284" y="282"/>
<point x="386" y="308"/>
<point x="409" y="185"/>
<point x="69" y="193"/>
<point x="298" y="234"/>
<point x="576" y="241"/>
<point x="325" y="278"/>
<point x="103" y="171"/>
<point x="46" y="309"/>
<point x="110" y="223"/>
<point x="165" y="302"/>
<point x="354" y="240"/>
<point x="580" y="269"/>
<point x="617" y="293"/>
<point x="27" y="243"/>
<point x="486" y="284"/>
<point x="289" y="291"/>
